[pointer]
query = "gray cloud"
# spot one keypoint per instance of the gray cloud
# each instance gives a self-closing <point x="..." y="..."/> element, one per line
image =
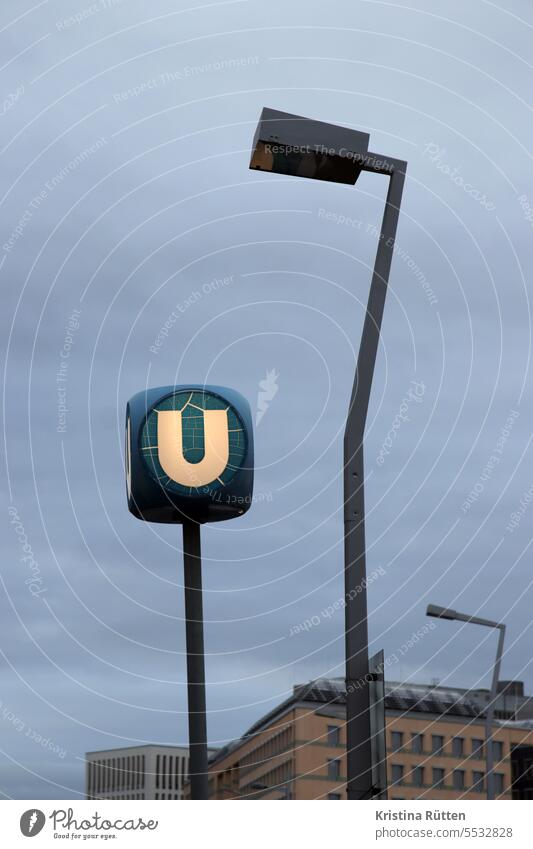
<point x="123" y="198"/>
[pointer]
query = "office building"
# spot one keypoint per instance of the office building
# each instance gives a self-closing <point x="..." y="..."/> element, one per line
<point x="137" y="772"/>
<point x="435" y="741"/>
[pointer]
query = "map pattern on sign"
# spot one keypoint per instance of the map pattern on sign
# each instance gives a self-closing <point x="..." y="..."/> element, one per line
<point x="192" y="404"/>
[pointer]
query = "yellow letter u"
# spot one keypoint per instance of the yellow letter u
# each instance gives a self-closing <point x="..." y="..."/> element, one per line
<point x="170" y="448"/>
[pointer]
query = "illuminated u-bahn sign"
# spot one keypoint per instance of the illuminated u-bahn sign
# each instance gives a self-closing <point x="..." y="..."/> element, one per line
<point x="189" y="454"/>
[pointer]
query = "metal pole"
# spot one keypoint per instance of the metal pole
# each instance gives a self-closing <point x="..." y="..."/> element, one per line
<point x="489" y="754"/>
<point x="195" y="660"/>
<point x="358" y="736"/>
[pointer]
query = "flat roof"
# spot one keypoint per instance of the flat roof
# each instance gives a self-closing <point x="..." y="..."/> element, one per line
<point x="145" y="746"/>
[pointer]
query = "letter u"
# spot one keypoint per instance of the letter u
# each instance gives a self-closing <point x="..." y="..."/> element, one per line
<point x="170" y="448"/>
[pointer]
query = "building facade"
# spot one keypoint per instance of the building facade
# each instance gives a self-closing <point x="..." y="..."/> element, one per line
<point x="434" y="740"/>
<point x="137" y="772"/>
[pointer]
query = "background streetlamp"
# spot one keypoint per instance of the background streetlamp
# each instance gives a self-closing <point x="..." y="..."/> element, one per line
<point x="289" y="144"/>
<point x="446" y="613"/>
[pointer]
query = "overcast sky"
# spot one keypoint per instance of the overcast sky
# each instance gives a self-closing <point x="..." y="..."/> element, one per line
<point x="126" y="197"/>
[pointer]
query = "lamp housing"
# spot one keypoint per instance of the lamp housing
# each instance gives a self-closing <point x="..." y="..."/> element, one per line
<point x="301" y="147"/>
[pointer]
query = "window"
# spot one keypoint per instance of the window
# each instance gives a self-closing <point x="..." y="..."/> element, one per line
<point x="396" y="740"/>
<point x="478" y="781"/>
<point x="334" y="795"/>
<point x="334" y="769"/>
<point x="458" y="779"/>
<point x="397" y="774"/>
<point x="417" y="743"/>
<point x="334" y="735"/>
<point x="498" y="783"/>
<point x="418" y="776"/>
<point x="438" y="777"/>
<point x="437" y="743"/>
<point x="478" y="748"/>
<point x="497" y="750"/>
<point x="458" y="747"/>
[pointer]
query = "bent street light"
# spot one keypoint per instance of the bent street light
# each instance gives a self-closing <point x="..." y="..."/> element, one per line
<point x="189" y="460"/>
<point x="447" y="613"/>
<point x="289" y="144"/>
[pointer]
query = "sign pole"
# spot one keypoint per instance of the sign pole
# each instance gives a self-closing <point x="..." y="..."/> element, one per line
<point x="190" y="460"/>
<point x="192" y="564"/>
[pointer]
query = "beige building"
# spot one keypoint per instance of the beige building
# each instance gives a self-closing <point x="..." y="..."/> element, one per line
<point x="434" y="739"/>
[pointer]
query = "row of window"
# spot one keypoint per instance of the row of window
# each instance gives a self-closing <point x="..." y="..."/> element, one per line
<point x="276" y="778"/>
<point x="110" y="774"/>
<point x="418" y="778"/>
<point x="168" y="796"/>
<point x="170" y="771"/>
<point x="458" y="745"/>
<point x="268" y="749"/>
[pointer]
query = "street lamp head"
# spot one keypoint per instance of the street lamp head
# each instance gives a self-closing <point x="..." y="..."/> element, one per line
<point x="300" y="147"/>
<point x="440" y="612"/>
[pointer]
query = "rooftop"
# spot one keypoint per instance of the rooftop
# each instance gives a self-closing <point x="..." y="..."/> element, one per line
<point x="405" y="698"/>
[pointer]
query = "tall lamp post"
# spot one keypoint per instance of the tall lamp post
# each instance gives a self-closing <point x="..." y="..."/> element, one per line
<point x="446" y="613"/>
<point x="292" y="145"/>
